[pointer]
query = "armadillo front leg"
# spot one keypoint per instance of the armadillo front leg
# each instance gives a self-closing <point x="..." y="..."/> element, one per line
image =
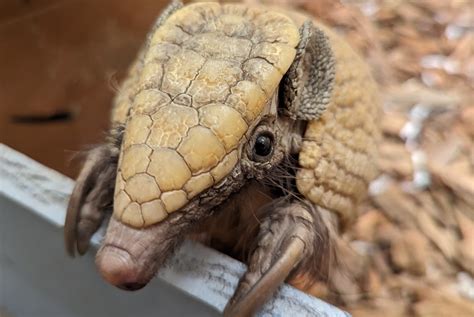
<point x="290" y="235"/>
<point x="91" y="198"/>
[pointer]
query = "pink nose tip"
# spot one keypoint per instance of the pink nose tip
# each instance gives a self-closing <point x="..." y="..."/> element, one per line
<point x="118" y="268"/>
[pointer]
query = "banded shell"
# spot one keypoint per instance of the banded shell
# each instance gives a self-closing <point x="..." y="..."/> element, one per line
<point x="338" y="155"/>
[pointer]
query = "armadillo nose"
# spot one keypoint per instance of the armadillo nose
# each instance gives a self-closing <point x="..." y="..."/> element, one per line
<point x="118" y="268"/>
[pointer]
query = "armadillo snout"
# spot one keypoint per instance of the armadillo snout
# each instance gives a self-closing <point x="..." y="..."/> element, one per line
<point x="119" y="269"/>
<point x="125" y="262"/>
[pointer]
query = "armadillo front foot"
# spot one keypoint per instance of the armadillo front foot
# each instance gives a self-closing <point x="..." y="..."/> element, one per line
<point x="91" y="197"/>
<point x="286" y="237"/>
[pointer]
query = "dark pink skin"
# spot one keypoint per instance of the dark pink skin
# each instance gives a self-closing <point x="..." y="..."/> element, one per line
<point x="130" y="257"/>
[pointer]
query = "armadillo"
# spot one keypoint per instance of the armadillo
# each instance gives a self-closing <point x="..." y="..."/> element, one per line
<point x="250" y="120"/>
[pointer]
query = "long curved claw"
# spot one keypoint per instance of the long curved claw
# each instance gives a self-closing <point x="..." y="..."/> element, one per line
<point x="93" y="190"/>
<point x="246" y="302"/>
<point x="282" y="246"/>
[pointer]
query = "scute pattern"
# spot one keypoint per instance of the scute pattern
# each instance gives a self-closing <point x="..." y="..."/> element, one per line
<point x="338" y="151"/>
<point x="202" y="80"/>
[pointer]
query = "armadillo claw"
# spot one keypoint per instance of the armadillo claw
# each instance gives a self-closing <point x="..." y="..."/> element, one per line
<point x="91" y="197"/>
<point x="90" y="218"/>
<point x="285" y="239"/>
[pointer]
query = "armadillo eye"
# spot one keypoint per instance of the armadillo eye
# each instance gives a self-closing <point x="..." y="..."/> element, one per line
<point x="263" y="145"/>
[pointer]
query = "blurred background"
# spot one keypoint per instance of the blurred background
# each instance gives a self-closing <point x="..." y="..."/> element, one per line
<point x="60" y="65"/>
<point x="411" y="252"/>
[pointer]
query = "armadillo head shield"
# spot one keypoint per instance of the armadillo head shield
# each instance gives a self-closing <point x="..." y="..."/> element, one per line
<point x="209" y="76"/>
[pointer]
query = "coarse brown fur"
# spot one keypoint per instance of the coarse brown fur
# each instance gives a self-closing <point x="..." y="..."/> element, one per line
<point x="235" y="226"/>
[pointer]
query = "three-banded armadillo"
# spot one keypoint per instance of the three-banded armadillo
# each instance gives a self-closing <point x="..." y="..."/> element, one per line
<point x="253" y="122"/>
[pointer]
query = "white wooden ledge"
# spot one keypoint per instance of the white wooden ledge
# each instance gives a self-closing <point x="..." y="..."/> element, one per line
<point x="38" y="279"/>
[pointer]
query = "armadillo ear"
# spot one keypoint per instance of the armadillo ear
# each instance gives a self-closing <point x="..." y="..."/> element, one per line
<point x="307" y="86"/>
